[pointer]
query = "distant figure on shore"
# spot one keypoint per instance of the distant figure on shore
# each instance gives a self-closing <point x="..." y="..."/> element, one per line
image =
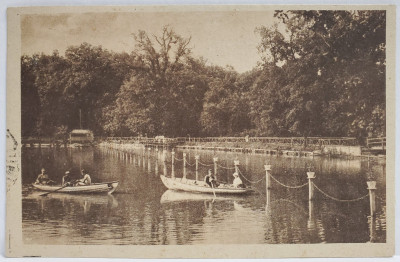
<point x="209" y="179"/>
<point x="66" y="179"/>
<point x="44" y="179"/>
<point x="85" y="180"/>
<point x="237" y="182"/>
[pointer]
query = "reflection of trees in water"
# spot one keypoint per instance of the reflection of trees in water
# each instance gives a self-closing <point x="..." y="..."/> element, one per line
<point x="139" y="217"/>
<point x="68" y="216"/>
<point x="286" y="222"/>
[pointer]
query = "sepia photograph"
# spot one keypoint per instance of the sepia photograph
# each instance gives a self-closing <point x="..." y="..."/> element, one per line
<point x="200" y="131"/>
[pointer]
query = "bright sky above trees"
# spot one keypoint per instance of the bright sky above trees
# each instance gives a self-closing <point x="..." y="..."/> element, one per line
<point x="222" y="38"/>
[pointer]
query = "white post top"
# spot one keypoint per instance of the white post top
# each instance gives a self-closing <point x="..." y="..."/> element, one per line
<point x="197" y="157"/>
<point x="173" y="153"/>
<point x="267" y="167"/>
<point x="184" y="154"/>
<point x="215" y="159"/>
<point x="236" y="162"/>
<point x="310" y="175"/>
<point x="156" y="149"/>
<point x="149" y="148"/>
<point x="371" y="185"/>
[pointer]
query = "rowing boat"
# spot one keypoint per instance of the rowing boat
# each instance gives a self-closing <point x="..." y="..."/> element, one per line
<point x="106" y="187"/>
<point x="190" y="185"/>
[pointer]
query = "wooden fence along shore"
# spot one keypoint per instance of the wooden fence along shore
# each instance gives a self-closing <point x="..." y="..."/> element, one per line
<point x="130" y="152"/>
<point x="286" y="146"/>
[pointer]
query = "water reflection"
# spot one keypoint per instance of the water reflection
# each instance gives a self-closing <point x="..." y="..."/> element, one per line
<point x="142" y="211"/>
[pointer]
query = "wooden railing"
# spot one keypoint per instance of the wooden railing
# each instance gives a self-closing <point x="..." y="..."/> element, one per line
<point x="293" y="141"/>
<point x="377" y="143"/>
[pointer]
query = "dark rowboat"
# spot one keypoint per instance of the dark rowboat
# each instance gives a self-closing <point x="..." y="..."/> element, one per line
<point x="194" y="186"/>
<point x="106" y="187"/>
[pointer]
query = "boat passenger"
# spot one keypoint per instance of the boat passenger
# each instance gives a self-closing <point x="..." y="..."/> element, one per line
<point x="237" y="182"/>
<point x="66" y="179"/>
<point x="85" y="180"/>
<point x="209" y="179"/>
<point x="44" y="179"/>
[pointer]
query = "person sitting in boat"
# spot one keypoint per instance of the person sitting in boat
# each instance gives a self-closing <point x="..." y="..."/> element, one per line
<point x="237" y="182"/>
<point x="85" y="180"/>
<point x="66" y="179"/>
<point x="209" y="179"/>
<point x="44" y="179"/>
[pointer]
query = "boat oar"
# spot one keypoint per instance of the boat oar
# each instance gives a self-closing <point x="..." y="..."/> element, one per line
<point x="212" y="186"/>
<point x="45" y="194"/>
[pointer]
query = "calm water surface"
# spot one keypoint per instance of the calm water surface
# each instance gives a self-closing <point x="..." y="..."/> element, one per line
<point x="143" y="211"/>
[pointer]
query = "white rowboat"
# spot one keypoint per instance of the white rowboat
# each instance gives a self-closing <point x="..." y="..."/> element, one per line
<point x="194" y="186"/>
<point x="107" y="187"/>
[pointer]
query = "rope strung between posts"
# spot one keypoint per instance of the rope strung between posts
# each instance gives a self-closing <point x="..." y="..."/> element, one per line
<point x="248" y="180"/>
<point x="280" y="183"/>
<point x="177" y="159"/>
<point x="187" y="162"/>
<point x="337" y="199"/>
<point x="205" y="164"/>
<point x="228" y="168"/>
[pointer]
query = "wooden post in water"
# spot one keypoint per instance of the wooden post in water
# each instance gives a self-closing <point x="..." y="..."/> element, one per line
<point x="267" y="183"/>
<point x="310" y="176"/>
<point x="236" y="164"/>
<point x="148" y="161"/>
<point x="164" y="158"/>
<point x="372" y="196"/>
<point x="372" y="225"/>
<point x="156" y="167"/>
<point x="144" y="159"/>
<point x="197" y="157"/>
<point x="311" y="220"/>
<point x="267" y="178"/>
<point x="184" y="165"/>
<point x="215" y="167"/>
<point x="173" y="164"/>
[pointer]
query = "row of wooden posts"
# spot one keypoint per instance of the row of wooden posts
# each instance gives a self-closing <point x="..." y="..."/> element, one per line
<point x="310" y="176"/>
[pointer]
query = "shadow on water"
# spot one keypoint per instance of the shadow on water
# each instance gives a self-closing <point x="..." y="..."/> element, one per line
<point x="142" y="211"/>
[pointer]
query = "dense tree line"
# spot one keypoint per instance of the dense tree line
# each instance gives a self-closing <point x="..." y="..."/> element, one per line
<point x="322" y="75"/>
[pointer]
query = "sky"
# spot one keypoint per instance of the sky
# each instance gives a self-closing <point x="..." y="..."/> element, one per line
<point x="222" y="38"/>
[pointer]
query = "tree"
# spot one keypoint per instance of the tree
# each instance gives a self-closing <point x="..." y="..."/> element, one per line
<point x="164" y="93"/>
<point x="30" y="102"/>
<point x="56" y="88"/>
<point x="334" y="63"/>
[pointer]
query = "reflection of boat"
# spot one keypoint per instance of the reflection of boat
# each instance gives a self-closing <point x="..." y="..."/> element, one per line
<point x="189" y="185"/>
<point x="107" y="187"/>
<point x="78" y="198"/>
<point x="177" y="196"/>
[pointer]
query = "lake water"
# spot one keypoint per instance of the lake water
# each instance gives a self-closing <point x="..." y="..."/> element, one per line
<point x="143" y="212"/>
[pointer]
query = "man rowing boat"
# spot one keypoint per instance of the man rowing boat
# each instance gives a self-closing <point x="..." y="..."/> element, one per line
<point x="67" y="179"/>
<point x="209" y="179"/>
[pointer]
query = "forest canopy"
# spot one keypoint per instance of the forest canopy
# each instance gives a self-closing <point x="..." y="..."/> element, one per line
<point x="322" y="73"/>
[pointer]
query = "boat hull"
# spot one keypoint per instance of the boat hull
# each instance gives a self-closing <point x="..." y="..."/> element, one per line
<point x="194" y="186"/>
<point x="89" y="189"/>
